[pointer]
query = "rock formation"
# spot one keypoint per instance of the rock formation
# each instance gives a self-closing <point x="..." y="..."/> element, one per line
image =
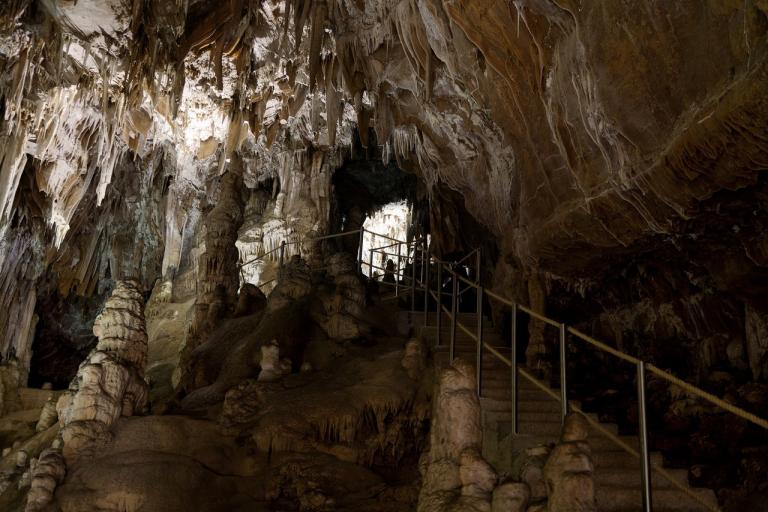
<point x="272" y="367"/>
<point x="217" y="276"/>
<point x="455" y="476"/>
<point x="46" y="476"/>
<point x="110" y="382"/>
<point x="344" y="303"/>
<point x="568" y="471"/>
<point x="250" y="300"/>
<point x="224" y="361"/>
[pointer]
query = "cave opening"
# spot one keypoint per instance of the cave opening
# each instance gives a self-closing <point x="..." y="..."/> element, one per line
<point x="392" y="220"/>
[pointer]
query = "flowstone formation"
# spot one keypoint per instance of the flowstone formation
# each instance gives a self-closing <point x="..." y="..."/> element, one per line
<point x="110" y="383"/>
<point x="234" y="352"/>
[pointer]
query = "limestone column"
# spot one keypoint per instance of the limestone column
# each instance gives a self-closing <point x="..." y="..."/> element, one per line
<point x="217" y="275"/>
<point x="110" y="382"/>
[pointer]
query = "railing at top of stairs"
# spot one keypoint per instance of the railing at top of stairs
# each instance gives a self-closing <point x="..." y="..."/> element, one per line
<point x="281" y="250"/>
<point x="283" y="245"/>
<point x="642" y="367"/>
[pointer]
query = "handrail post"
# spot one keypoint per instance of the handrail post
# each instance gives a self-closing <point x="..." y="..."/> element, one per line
<point x="439" y="300"/>
<point x="413" y="277"/>
<point x="360" y="250"/>
<point x="425" y="284"/>
<point x="477" y="266"/>
<point x="370" y="264"/>
<point x="563" y="375"/>
<point x="282" y="253"/>
<point x="479" y="372"/>
<point x="397" y="273"/>
<point x="454" y="301"/>
<point x="513" y="376"/>
<point x="645" y="460"/>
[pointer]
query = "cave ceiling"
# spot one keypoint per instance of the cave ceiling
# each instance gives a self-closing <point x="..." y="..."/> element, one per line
<point x="573" y="130"/>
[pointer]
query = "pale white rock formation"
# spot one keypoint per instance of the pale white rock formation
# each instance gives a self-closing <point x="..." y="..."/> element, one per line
<point x="272" y="367"/>
<point x="110" y="382"/>
<point x="569" y="470"/>
<point x="455" y="476"/>
<point x="48" y="415"/>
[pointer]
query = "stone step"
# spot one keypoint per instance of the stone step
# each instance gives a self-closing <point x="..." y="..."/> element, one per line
<point x="603" y="460"/>
<point x="631" y="478"/>
<point x="620" y="499"/>
<point x="551" y="416"/>
<point x="617" y="473"/>
<point x="540" y="428"/>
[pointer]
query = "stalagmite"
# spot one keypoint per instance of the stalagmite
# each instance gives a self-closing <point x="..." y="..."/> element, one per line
<point x="569" y="469"/>
<point x="217" y="279"/>
<point x="455" y="476"/>
<point x="345" y="303"/>
<point x="110" y="382"/>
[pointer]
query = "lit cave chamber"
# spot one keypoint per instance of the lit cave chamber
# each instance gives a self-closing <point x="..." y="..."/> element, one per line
<point x="383" y="255"/>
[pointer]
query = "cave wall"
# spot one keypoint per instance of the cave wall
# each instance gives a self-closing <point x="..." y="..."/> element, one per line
<point x="613" y="151"/>
<point x="586" y="145"/>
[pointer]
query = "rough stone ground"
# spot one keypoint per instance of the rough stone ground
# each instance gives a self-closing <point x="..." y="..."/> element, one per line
<point x="345" y="435"/>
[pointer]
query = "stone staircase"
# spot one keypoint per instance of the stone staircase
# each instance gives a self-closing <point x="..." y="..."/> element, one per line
<point x="617" y="473"/>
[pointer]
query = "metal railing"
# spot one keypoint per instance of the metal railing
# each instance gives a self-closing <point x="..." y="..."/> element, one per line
<point x="412" y="284"/>
<point x="413" y="249"/>
<point x="281" y="248"/>
<point x="642" y="369"/>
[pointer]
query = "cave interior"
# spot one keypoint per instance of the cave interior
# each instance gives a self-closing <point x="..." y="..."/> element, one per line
<point x="383" y="255"/>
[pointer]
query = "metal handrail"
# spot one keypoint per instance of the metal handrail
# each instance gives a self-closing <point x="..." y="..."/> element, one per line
<point x="477" y="337"/>
<point x="642" y="368"/>
<point x="285" y="244"/>
<point x="462" y="260"/>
